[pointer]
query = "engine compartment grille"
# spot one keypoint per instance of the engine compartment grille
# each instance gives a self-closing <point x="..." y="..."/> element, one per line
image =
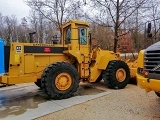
<point x="151" y="61"/>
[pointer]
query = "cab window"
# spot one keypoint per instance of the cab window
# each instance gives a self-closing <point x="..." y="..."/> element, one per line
<point x="68" y="36"/>
<point x="82" y="36"/>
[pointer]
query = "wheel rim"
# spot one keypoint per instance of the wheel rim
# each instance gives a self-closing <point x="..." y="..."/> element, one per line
<point x="63" y="81"/>
<point x="121" y="75"/>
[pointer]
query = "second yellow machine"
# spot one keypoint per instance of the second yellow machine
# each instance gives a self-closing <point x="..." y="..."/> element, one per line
<point x="58" y="68"/>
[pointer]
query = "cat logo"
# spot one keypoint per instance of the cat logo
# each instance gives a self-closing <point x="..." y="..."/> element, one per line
<point x="18" y="49"/>
<point x="155" y="68"/>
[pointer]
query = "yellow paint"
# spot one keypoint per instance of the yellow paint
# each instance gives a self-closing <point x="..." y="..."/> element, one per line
<point x="63" y="81"/>
<point x="16" y="58"/>
<point x="140" y="61"/>
<point x="37" y="63"/>
<point x="29" y="65"/>
<point x="121" y="75"/>
<point x="153" y="85"/>
<point x="133" y="67"/>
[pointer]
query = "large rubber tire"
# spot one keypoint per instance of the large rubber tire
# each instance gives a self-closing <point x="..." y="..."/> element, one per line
<point x="109" y="75"/>
<point x="158" y="94"/>
<point x="49" y="78"/>
<point x="38" y="83"/>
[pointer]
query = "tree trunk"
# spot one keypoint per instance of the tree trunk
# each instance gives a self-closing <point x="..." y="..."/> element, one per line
<point x="116" y="27"/>
<point x="115" y="39"/>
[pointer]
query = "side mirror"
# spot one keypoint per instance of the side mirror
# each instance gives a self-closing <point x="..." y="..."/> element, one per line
<point x="149" y="28"/>
<point x="149" y="34"/>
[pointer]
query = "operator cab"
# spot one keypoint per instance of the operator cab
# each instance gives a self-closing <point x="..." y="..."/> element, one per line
<point x="82" y="36"/>
<point x="75" y="35"/>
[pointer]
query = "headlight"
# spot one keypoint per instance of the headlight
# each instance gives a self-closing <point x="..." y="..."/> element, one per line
<point x="140" y="71"/>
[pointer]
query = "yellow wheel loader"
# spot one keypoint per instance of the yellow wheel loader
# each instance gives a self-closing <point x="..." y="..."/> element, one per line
<point x="58" y="68"/>
<point x="148" y="71"/>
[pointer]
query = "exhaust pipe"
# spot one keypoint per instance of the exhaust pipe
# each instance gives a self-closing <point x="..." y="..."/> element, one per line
<point x="31" y="36"/>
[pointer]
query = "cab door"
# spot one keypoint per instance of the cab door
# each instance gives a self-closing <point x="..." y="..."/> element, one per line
<point x="84" y="48"/>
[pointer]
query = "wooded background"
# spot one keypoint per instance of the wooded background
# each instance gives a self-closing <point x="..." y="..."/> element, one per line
<point x="118" y="25"/>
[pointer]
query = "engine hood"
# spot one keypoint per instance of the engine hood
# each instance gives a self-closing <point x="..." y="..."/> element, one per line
<point x="155" y="46"/>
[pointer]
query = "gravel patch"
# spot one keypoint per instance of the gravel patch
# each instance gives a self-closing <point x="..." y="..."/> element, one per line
<point x="131" y="103"/>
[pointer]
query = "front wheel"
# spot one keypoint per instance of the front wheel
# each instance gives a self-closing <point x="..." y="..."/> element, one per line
<point x="116" y="75"/>
<point x="60" y="80"/>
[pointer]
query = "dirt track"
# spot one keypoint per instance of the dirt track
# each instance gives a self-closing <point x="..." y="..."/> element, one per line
<point x="131" y="103"/>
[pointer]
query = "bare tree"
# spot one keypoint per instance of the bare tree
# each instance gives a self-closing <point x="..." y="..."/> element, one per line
<point x="155" y="18"/>
<point x="44" y="28"/>
<point x="56" y="11"/>
<point x="119" y="11"/>
<point x="9" y="28"/>
<point x="2" y="33"/>
<point x="101" y="34"/>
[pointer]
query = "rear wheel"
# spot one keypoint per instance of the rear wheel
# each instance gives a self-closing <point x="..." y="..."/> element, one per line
<point x="117" y="74"/>
<point x="158" y="94"/>
<point x="60" y="80"/>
